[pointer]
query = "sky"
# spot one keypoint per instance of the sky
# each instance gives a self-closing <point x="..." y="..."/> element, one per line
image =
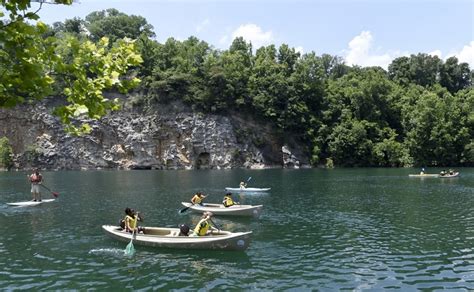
<point x="363" y="32"/>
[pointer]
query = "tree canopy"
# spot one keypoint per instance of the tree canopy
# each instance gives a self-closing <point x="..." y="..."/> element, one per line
<point x="418" y="112"/>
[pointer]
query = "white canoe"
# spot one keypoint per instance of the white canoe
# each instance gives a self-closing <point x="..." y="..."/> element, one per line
<point x="219" y="209"/>
<point x="449" y="175"/>
<point x="424" y="175"/>
<point x="250" y="190"/>
<point x="30" y="203"/>
<point x="168" y="238"/>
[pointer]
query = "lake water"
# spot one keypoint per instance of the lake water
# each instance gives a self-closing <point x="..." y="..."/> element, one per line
<point x="353" y="229"/>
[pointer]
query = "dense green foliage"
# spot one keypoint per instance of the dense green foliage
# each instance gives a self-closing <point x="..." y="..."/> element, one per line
<point x="35" y="63"/>
<point x="418" y="112"/>
<point x="6" y="152"/>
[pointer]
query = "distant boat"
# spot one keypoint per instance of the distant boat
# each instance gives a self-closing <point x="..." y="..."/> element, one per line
<point x="424" y="175"/>
<point x="455" y="174"/>
<point x="220" y="209"/>
<point x="249" y="190"/>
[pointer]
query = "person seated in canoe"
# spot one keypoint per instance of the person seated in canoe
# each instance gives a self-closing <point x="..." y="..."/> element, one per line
<point x="242" y="185"/>
<point x="443" y="172"/>
<point x="451" y="172"/>
<point x="422" y="172"/>
<point x="204" y="225"/>
<point x="130" y="221"/>
<point x="197" y="199"/>
<point x="183" y="230"/>
<point x="228" y="201"/>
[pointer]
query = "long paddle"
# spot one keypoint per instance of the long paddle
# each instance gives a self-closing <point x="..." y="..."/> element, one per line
<point x="213" y="223"/>
<point x="130" y="250"/>
<point x="55" y="194"/>
<point x="185" y="209"/>
<point x="247" y="181"/>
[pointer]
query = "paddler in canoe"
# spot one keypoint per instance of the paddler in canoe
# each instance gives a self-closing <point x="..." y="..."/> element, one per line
<point x="204" y="225"/>
<point x="228" y="201"/>
<point x="129" y="223"/>
<point x="198" y="198"/>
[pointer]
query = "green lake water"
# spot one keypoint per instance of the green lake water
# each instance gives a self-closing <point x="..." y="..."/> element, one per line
<point x="354" y="229"/>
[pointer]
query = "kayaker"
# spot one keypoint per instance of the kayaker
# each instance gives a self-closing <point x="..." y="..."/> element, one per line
<point x="130" y="220"/>
<point x="228" y="201"/>
<point x="203" y="226"/>
<point x="197" y="199"/>
<point x="422" y="172"/>
<point x="243" y="185"/>
<point x="36" y="179"/>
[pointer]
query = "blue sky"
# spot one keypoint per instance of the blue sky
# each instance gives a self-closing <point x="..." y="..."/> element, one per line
<point x="363" y="32"/>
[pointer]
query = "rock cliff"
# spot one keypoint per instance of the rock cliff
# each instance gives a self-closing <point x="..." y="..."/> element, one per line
<point x="162" y="137"/>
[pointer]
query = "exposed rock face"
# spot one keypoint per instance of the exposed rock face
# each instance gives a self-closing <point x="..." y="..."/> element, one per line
<point x="167" y="137"/>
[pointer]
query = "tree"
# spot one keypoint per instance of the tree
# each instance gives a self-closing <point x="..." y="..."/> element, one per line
<point x="269" y="86"/>
<point x="88" y="69"/>
<point x="436" y="128"/>
<point x="6" y="152"/>
<point x="30" y="65"/>
<point x="115" y="25"/>
<point x="455" y="76"/>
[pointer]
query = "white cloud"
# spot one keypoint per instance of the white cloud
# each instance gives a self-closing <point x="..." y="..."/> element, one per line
<point x="253" y="33"/>
<point x="466" y="55"/>
<point x="360" y="53"/>
<point x="436" y="53"/>
<point x="299" y="50"/>
<point x="203" y="24"/>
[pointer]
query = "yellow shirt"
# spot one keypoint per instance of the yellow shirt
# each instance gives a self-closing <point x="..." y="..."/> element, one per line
<point x="196" y="199"/>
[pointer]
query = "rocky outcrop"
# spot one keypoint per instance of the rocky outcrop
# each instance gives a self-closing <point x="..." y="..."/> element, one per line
<point x="163" y="137"/>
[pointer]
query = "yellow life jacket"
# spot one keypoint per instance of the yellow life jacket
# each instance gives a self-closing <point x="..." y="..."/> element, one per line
<point x="202" y="227"/>
<point x="132" y="223"/>
<point x="196" y="199"/>
<point x="228" y="202"/>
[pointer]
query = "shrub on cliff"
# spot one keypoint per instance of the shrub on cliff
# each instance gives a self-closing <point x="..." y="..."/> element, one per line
<point x="5" y="153"/>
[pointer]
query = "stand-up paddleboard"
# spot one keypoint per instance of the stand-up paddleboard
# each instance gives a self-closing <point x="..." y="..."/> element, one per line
<point x="30" y="203"/>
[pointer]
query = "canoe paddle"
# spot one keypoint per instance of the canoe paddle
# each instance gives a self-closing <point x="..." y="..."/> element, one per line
<point x="55" y="194"/>
<point x="213" y="223"/>
<point x="185" y="209"/>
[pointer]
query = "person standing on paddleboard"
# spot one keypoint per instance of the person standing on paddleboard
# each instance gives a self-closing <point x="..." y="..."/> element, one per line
<point x="36" y="179"/>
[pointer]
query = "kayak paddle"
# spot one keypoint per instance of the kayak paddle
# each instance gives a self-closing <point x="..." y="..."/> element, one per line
<point x="53" y="193"/>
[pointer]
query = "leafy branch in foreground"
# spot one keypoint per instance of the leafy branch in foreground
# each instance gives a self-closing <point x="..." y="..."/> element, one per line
<point x="87" y="69"/>
<point x="31" y="65"/>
